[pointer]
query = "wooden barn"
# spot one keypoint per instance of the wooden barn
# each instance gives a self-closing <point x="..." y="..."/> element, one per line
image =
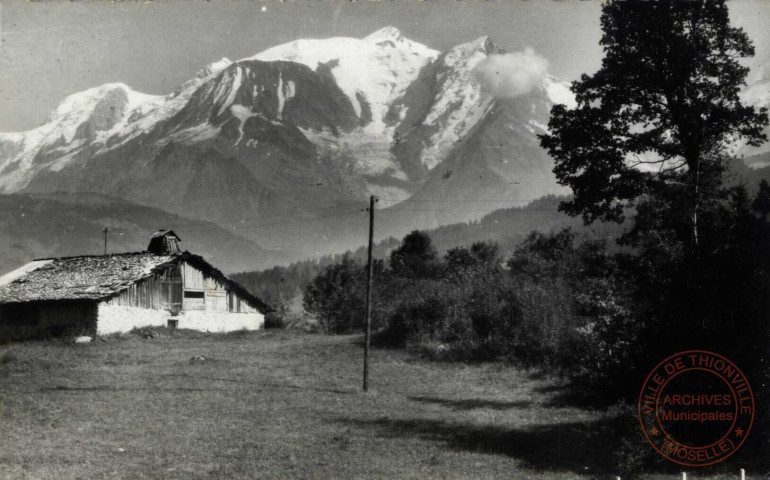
<point x="98" y="295"/>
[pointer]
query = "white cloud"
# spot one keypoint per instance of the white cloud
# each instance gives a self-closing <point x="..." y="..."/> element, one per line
<point x="511" y="75"/>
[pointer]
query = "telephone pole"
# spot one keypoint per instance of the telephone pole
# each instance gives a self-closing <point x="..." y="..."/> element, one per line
<point x="369" y="275"/>
<point x="106" y="231"/>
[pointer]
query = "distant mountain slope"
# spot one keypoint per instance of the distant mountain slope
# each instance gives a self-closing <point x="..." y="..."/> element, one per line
<point x="506" y="227"/>
<point x="47" y="225"/>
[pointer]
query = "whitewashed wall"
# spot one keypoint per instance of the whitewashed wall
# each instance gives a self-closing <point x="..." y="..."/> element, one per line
<point x="208" y="321"/>
<point x="120" y="319"/>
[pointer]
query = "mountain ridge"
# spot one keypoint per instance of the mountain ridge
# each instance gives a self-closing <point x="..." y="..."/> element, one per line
<point x="302" y="128"/>
<point x="62" y="224"/>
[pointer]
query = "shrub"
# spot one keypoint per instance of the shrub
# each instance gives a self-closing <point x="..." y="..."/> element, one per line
<point x="546" y="325"/>
<point x="424" y="313"/>
<point x="555" y="303"/>
<point x="337" y="296"/>
<point x="277" y="318"/>
<point x="416" y="257"/>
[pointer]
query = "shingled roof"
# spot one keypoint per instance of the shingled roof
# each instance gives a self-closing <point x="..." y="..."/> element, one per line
<point x="94" y="277"/>
<point x="78" y="278"/>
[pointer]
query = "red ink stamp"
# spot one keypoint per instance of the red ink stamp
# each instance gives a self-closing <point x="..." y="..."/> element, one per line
<point x="696" y="408"/>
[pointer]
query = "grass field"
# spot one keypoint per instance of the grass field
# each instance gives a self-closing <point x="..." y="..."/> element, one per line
<point x="274" y="404"/>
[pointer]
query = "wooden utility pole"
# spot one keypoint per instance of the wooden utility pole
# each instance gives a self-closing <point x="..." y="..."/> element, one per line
<point x="369" y="275"/>
<point x="106" y="231"/>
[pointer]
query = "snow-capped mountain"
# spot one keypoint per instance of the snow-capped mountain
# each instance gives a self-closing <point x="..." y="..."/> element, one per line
<point x="372" y="72"/>
<point x="306" y="125"/>
<point x="80" y="120"/>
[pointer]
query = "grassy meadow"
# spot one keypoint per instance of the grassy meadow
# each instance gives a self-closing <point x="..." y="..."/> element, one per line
<point x="275" y="404"/>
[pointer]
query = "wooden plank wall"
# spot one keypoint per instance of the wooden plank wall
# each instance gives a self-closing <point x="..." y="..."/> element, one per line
<point x="192" y="278"/>
<point x="217" y="298"/>
<point x="164" y="291"/>
<point x="157" y="292"/>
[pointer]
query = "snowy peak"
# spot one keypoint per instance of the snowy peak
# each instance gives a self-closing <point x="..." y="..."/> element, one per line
<point x="204" y="73"/>
<point x="458" y="103"/>
<point x="385" y="33"/>
<point x="469" y="53"/>
<point x="480" y="46"/>
<point x="312" y="52"/>
<point x="82" y="103"/>
<point x="391" y="37"/>
<point x="81" y="119"/>
<point x="81" y="116"/>
<point x="372" y="72"/>
<point x="102" y="106"/>
<point x="460" y="99"/>
<point x="214" y="68"/>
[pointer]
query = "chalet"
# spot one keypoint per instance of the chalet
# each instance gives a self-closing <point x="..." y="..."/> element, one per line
<point x="98" y="295"/>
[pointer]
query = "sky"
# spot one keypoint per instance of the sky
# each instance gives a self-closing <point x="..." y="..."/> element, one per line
<point x="49" y="50"/>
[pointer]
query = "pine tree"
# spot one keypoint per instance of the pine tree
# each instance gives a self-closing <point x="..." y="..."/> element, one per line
<point x="660" y="113"/>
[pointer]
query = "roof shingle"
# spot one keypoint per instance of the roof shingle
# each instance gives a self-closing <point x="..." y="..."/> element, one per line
<point x="78" y="278"/>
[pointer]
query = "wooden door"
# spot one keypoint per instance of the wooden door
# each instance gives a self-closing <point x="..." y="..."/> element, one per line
<point x="171" y="288"/>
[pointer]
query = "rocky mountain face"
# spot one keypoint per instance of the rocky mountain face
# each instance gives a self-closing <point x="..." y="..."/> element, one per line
<point x="285" y="147"/>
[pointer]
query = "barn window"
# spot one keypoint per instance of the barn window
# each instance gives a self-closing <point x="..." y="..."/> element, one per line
<point x="194" y="300"/>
